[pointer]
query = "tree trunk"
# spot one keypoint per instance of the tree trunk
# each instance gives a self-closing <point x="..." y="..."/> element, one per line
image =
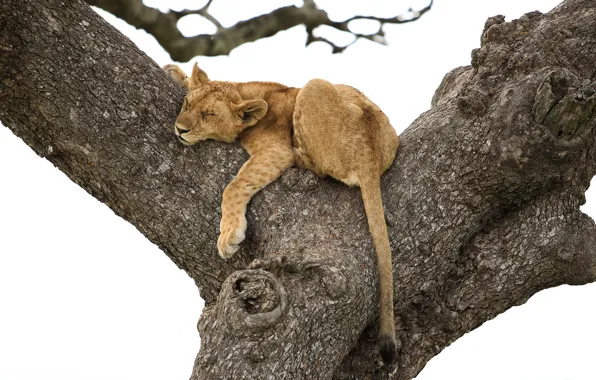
<point x="482" y="201"/>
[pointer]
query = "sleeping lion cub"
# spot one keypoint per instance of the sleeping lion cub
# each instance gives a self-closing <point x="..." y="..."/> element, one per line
<point x="329" y="129"/>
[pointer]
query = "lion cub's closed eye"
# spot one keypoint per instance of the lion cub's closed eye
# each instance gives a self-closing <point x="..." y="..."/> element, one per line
<point x="329" y="129"/>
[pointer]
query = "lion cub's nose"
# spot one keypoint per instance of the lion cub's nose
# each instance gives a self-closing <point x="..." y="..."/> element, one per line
<point x="180" y="130"/>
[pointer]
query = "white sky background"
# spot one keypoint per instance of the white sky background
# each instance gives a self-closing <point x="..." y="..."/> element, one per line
<point x="83" y="295"/>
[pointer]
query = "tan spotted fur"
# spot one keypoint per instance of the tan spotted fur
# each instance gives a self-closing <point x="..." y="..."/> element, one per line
<point x="329" y="129"/>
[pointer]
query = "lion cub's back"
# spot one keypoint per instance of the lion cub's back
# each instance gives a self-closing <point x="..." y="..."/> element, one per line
<point x="339" y="130"/>
<point x="376" y="122"/>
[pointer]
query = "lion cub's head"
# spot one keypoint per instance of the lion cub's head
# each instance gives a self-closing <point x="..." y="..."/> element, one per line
<point x="214" y="110"/>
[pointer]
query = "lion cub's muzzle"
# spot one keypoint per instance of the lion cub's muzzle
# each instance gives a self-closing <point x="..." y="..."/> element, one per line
<point x="180" y="134"/>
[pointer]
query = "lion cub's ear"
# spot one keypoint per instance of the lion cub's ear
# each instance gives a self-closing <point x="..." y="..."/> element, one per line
<point x="252" y="111"/>
<point x="198" y="76"/>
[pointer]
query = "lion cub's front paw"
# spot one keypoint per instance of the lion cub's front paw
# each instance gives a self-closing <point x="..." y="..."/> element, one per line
<point x="233" y="231"/>
<point x="177" y="75"/>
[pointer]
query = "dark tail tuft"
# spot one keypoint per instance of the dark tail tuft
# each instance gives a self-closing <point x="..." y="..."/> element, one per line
<point x="387" y="348"/>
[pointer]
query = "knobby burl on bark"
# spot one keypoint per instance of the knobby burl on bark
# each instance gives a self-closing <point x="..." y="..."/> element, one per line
<point x="482" y="201"/>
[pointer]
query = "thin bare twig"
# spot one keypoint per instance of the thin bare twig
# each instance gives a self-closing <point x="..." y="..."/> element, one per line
<point x="378" y="36"/>
<point x="204" y="11"/>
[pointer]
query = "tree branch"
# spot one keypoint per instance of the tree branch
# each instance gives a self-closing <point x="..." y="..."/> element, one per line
<point x="163" y="26"/>
<point x="204" y="11"/>
<point x="482" y="201"/>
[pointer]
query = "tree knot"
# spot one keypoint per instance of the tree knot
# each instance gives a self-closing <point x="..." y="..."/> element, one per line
<point x="472" y="102"/>
<point x="563" y="105"/>
<point x="252" y="299"/>
<point x="490" y="31"/>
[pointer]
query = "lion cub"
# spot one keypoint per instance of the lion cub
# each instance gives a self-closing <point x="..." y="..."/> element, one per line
<point x="329" y="129"/>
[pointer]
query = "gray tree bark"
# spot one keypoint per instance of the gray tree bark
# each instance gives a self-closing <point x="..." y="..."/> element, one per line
<point x="482" y="201"/>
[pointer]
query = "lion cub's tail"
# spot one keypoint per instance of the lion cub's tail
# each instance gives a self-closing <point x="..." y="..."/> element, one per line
<point x="370" y="186"/>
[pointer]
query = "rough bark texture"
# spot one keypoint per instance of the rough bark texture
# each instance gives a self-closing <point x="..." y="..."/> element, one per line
<point x="482" y="201"/>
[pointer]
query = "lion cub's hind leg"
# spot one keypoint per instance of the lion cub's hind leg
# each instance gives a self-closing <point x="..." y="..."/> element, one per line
<point x="337" y="136"/>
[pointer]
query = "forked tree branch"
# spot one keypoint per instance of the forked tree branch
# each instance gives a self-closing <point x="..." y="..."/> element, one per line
<point x="163" y="26"/>
<point x="482" y="201"/>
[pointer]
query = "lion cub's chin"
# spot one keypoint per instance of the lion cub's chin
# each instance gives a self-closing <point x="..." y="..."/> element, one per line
<point x="186" y="142"/>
